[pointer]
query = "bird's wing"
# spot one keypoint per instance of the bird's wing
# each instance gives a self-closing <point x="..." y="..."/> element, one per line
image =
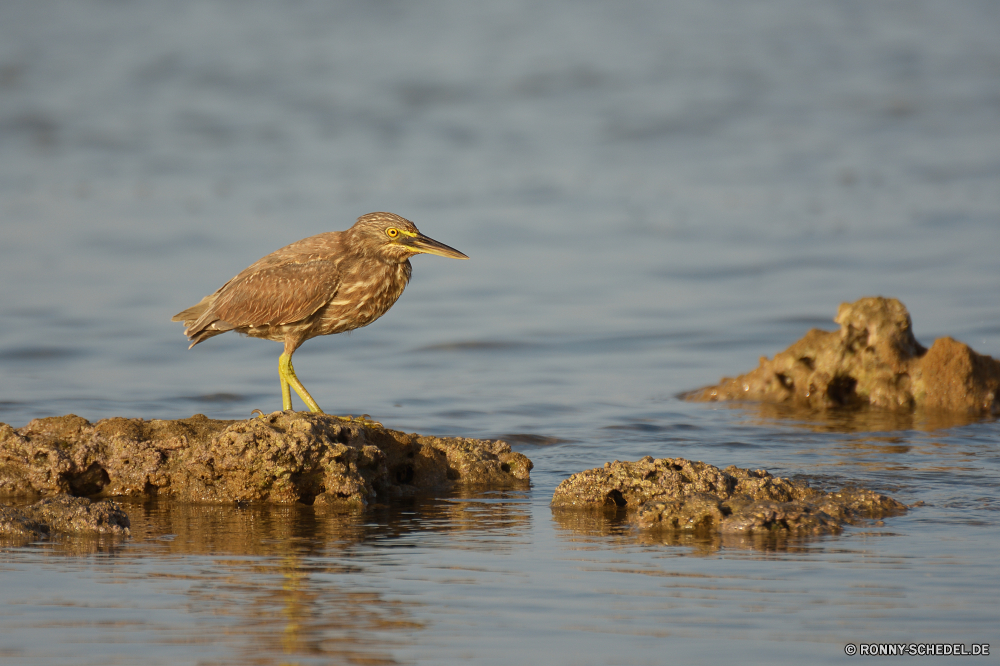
<point x="274" y="295"/>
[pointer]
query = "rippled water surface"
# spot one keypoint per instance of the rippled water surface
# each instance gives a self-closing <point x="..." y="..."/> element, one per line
<point x="653" y="195"/>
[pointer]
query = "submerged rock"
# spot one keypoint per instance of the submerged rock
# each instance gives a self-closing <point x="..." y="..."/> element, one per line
<point x="873" y="360"/>
<point x="64" y="513"/>
<point x="16" y="523"/>
<point x="678" y="494"/>
<point x="283" y="457"/>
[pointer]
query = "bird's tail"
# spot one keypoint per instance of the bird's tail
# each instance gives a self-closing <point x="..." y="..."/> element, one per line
<point x="200" y="324"/>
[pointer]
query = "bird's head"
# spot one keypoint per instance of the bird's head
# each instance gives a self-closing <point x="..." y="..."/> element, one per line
<point x="396" y="239"/>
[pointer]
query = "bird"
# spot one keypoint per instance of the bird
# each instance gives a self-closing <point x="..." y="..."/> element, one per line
<point x="329" y="283"/>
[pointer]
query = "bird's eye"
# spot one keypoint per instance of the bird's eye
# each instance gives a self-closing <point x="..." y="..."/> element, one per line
<point x="392" y="232"/>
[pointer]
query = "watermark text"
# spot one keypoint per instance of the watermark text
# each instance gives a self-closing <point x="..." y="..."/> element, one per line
<point x="917" y="649"/>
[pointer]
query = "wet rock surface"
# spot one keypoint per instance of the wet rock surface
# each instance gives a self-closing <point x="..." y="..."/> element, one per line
<point x="66" y="514"/>
<point x="283" y="457"/>
<point x="873" y="360"/>
<point x="675" y="494"/>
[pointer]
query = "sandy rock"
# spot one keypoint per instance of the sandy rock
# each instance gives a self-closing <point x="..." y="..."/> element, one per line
<point x="844" y="504"/>
<point x="15" y="523"/>
<point x="283" y="457"/>
<point x="80" y="515"/>
<point x="699" y="512"/>
<point x="793" y="517"/>
<point x="479" y="462"/>
<point x="633" y="483"/>
<point x="63" y="513"/>
<point x="678" y="494"/>
<point x="873" y="360"/>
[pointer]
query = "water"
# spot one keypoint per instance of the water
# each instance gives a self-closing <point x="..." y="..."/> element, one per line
<point x="653" y="196"/>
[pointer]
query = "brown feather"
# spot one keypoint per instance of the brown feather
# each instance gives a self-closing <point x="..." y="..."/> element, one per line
<point x="328" y="283"/>
<point x="277" y="295"/>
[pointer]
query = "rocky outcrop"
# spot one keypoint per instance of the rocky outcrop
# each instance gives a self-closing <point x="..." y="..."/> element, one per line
<point x="66" y="514"/>
<point x="675" y="494"/>
<point x="283" y="457"/>
<point x="873" y="360"/>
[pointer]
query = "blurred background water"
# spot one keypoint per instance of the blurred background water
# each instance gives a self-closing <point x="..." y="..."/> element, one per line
<point x="653" y="195"/>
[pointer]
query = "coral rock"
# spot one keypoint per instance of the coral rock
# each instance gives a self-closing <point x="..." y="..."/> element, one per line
<point x="678" y="494"/>
<point x="63" y="513"/>
<point x="284" y="457"/>
<point x="873" y="360"/>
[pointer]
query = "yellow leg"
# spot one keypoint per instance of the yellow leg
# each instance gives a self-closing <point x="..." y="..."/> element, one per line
<point x="288" y="378"/>
<point x="286" y="393"/>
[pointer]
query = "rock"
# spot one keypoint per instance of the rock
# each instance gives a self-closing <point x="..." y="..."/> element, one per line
<point x="15" y="523"/>
<point x="699" y="512"/>
<point x="78" y="515"/>
<point x="630" y="484"/>
<point x="283" y="457"/>
<point x="873" y="360"/>
<point x="681" y="495"/>
<point x="793" y="517"/>
<point x="63" y="513"/>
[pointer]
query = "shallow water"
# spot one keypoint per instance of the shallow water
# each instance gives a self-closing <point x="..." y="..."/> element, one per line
<point x="652" y="197"/>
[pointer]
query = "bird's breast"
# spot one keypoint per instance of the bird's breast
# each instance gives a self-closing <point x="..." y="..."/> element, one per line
<point x="364" y="296"/>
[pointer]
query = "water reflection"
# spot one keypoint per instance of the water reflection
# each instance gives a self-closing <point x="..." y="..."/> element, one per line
<point x="297" y="608"/>
<point x="851" y="420"/>
<point x="274" y="583"/>
<point x="598" y="529"/>
<point x="100" y="544"/>
<point x="172" y="528"/>
<point x="474" y="521"/>
<point x="530" y="439"/>
<point x="165" y="528"/>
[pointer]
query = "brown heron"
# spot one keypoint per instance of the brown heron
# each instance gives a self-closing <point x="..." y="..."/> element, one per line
<point x="329" y="283"/>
